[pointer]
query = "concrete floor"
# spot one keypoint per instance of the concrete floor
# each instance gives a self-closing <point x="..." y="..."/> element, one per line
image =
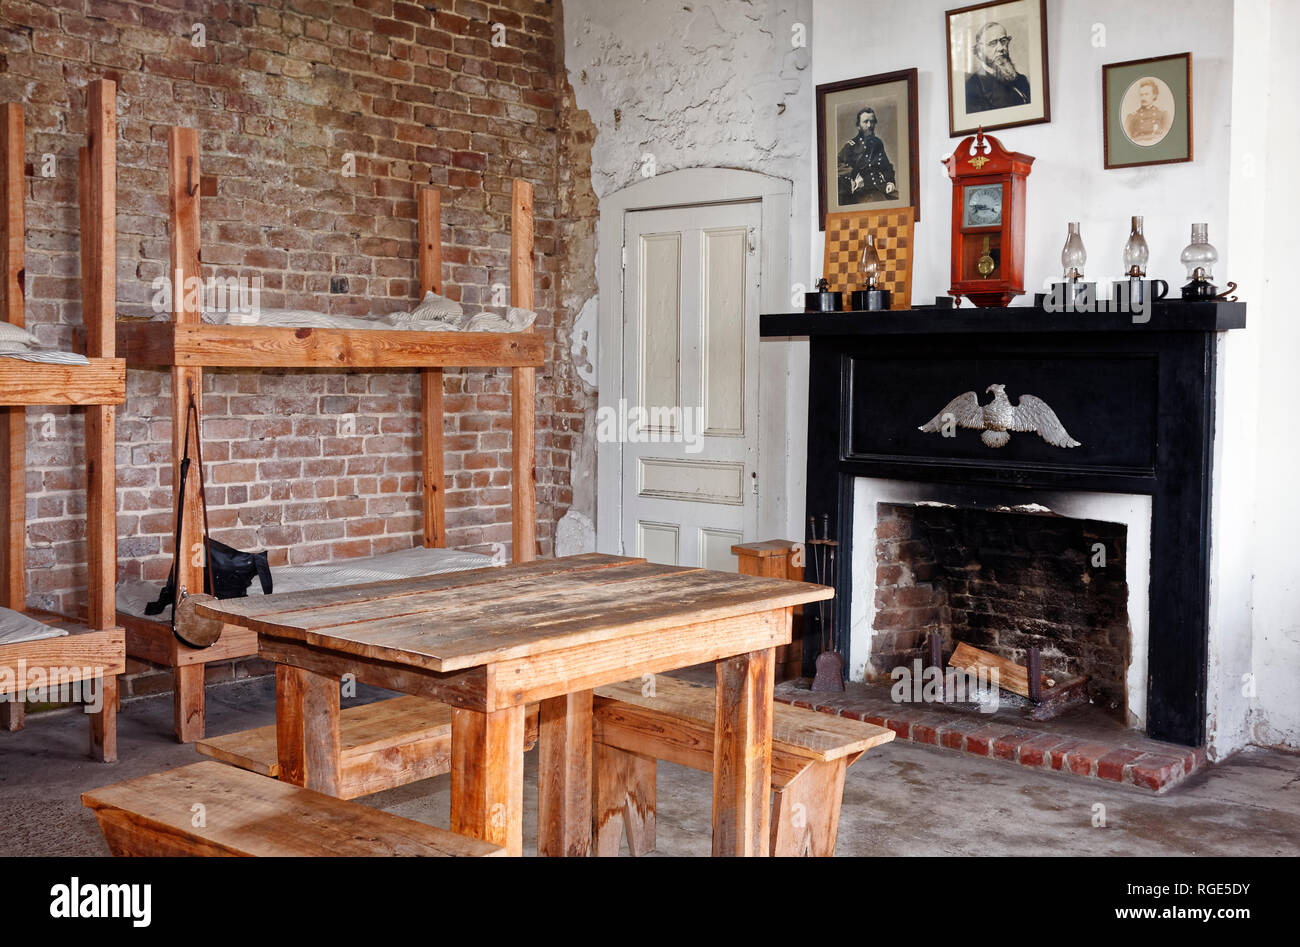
<point x="900" y="799"/>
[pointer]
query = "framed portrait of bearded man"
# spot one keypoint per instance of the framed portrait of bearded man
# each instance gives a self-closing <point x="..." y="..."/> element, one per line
<point x="867" y="145"/>
<point x="997" y="66"/>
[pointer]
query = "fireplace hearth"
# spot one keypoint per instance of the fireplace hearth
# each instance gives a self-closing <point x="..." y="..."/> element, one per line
<point x="886" y="402"/>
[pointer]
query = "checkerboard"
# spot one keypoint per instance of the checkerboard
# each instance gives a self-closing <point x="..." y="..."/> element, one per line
<point x="844" y="240"/>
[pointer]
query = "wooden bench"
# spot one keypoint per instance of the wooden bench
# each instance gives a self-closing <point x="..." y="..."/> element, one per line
<point x="210" y="809"/>
<point x="385" y="744"/>
<point x="632" y="731"/>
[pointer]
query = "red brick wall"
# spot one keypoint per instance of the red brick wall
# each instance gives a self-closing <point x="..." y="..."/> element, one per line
<point x="280" y="92"/>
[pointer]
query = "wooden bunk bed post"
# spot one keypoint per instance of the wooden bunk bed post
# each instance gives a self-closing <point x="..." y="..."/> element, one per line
<point x="523" y="383"/>
<point x="99" y="315"/>
<point x="183" y="206"/>
<point x="564" y="723"/>
<point x="13" y="419"/>
<point x="430" y="263"/>
<point x="99" y="312"/>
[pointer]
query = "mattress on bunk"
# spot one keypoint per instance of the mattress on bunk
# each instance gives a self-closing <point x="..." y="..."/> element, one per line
<point x="134" y="594"/>
<point x="47" y="357"/>
<point x="16" y="627"/>
<point x="434" y="313"/>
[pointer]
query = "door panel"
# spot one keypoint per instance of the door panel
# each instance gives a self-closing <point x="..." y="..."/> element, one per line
<point x="724" y="331"/>
<point x="689" y="455"/>
<point x="660" y="335"/>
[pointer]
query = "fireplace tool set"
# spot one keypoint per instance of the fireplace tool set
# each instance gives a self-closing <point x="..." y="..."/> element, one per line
<point x="830" y="665"/>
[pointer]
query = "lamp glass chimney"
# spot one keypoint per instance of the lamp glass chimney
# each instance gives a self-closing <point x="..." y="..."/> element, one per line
<point x="1199" y="256"/>
<point x="1136" y="251"/>
<point x="1073" y="255"/>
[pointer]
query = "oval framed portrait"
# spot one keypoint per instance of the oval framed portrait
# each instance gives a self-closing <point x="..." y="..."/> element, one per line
<point x="1148" y="111"/>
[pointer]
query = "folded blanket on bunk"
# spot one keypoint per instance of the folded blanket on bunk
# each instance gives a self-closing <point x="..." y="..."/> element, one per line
<point x="16" y="342"/>
<point x="134" y="594"/>
<point x="48" y="357"/>
<point x="16" y="627"/>
<point x="434" y="314"/>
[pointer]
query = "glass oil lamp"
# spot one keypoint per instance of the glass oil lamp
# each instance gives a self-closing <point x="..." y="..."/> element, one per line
<point x="1199" y="258"/>
<point x="1136" y="251"/>
<point x="869" y="298"/>
<point x="1072" y="293"/>
<point x="1073" y="254"/>
<point x="1135" y="290"/>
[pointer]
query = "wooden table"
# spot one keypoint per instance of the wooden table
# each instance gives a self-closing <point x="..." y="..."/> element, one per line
<point x="491" y="641"/>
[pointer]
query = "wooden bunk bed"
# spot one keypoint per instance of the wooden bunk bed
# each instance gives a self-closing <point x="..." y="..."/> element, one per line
<point x="187" y="346"/>
<point x="94" y="648"/>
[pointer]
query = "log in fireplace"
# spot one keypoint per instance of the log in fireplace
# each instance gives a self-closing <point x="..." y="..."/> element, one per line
<point x="1062" y="402"/>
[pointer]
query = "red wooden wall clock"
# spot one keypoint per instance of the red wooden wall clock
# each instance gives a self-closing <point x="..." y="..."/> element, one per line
<point x="988" y="220"/>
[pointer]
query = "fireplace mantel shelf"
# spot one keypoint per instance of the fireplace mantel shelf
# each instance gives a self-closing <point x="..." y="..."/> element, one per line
<point x="1174" y="316"/>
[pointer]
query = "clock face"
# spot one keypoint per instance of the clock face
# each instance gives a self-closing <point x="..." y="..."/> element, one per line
<point x="983" y="205"/>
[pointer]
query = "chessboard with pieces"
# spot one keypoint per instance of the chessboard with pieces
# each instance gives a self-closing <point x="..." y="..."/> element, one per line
<point x="844" y="239"/>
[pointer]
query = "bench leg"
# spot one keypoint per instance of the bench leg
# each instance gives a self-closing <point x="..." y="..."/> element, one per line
<point x="806" y="812"/>
<point x="187" y="702"/>
<point x="625" y="799"/>
<point x="307" y="729"/>
<point x="742" y="754"/>
<point x="564" y="776"/>
<point x="12" y="712"/>
<point x="103" y="725"/>
<point x="487" y="776"/>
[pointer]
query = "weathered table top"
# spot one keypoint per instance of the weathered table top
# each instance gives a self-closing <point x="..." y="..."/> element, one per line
<point x="469" y="619"/>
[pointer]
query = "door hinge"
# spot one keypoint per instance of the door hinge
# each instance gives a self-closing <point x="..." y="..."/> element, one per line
<point x="625" y="256"/>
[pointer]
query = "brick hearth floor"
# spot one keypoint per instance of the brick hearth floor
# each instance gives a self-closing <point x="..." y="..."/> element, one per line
<point x="1082" y="743"/>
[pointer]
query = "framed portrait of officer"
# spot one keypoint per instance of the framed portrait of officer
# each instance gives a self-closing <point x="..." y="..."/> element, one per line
<point x="867" y="144"/>
<point x="1147" y="107"/>
<point x="997" y="66"/>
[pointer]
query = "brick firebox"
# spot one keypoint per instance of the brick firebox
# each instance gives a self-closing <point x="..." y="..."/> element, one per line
<point x="1004" y="582"/>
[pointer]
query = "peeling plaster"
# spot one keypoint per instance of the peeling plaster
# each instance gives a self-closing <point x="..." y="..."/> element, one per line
<point x="707" y="84"/>
<point x="583" y="345"/>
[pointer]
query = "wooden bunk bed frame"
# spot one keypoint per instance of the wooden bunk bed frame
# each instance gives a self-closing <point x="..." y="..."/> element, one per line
<point x="187" y="345"/>
<point x="95" y="648"/>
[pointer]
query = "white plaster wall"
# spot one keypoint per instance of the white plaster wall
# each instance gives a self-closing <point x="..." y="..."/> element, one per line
<point x="855" y="38"/>
<point x="709" y="83"/>
<point x="1229" y="707"/>
<point x="1264" y="164"/>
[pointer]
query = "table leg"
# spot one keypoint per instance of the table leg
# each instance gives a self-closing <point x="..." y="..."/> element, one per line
<point x="487" y="776"/>
<point x="564" y="776"/>
<point x="307" y="729"/>
<point x="742" y="754"/>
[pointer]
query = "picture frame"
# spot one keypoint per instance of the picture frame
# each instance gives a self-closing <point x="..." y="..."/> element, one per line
<point x="864" y="165"/>
<point x="997" y="66"/>
<point x="1147" y="111"/>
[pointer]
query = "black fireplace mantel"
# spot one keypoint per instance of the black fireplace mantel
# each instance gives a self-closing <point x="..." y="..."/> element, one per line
<point x="1139" y="396"/>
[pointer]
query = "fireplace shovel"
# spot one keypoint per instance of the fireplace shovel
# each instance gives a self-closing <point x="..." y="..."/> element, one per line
<point x="830" y="665"/>
<point x="830" y="672"/>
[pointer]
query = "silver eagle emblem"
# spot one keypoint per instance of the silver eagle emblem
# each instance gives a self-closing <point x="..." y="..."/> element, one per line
<point x="999" y="418"/>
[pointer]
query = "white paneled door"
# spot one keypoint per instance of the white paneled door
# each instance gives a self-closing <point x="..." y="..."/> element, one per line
<point x="688" y="418"/>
